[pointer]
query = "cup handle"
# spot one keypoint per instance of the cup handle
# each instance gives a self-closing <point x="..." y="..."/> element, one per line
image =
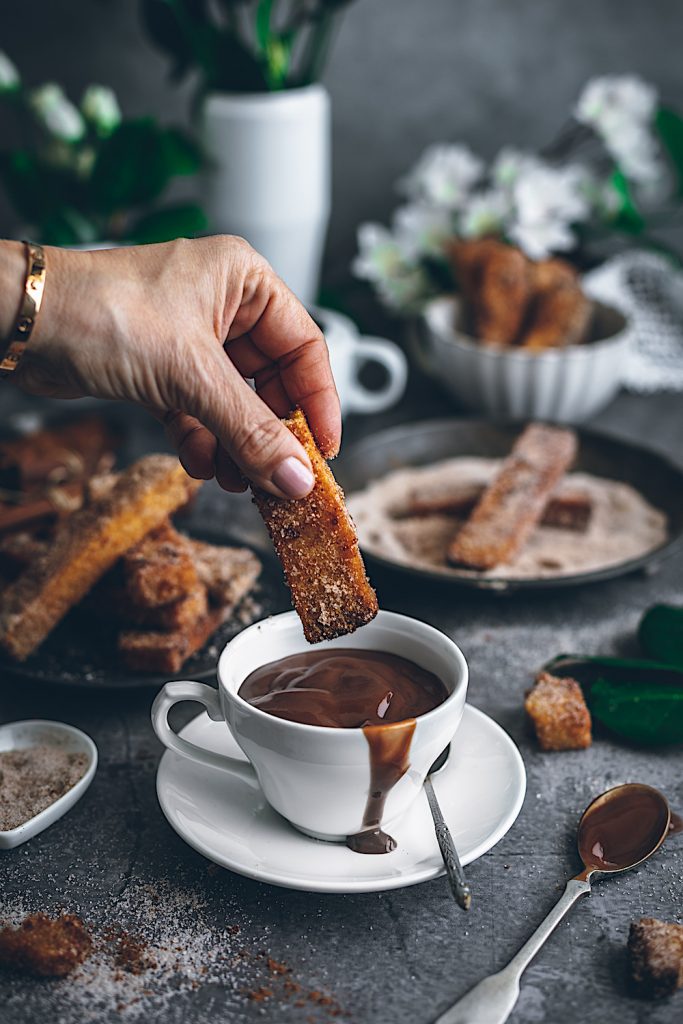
<point x="388" y="355"/>
<point x="179" y="690"/>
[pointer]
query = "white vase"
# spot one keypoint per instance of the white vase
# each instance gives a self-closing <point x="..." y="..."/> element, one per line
<point x="269" y="176"/>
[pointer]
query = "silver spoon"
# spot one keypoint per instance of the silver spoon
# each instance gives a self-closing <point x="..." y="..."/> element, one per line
<point x="618" y="830"/>
<point x="456" y="877"/>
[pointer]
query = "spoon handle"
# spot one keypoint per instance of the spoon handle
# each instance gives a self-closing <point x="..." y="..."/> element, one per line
<point x="492" y="1000"/>
<point x="454" y="872"/>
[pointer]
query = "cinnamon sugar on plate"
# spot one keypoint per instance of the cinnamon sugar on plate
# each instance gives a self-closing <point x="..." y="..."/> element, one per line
<point x="623" y="525"/>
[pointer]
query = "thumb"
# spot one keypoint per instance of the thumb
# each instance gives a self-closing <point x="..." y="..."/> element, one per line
<point x="253" y="436"/>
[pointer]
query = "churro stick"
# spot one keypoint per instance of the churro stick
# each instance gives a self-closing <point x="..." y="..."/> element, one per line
<point x="143" y="651"/>
<point x="155" y="651"/>
<point x="90" y="542"/>
<point x="514" y="501"/>
<point x="559" y="313"/>
<point x="316" y="541"/>
<point x="570" y="510"/>
<point x="495" y="281"/>
<point x="160" y="569"/>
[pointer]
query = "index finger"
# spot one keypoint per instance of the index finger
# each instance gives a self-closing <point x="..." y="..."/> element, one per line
<point x="282" y="330"/>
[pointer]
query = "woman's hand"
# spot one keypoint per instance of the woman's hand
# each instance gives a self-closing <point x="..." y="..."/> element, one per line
<point x="179" y="328"/>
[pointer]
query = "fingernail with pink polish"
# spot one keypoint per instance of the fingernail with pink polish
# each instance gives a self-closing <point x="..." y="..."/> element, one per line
<point x="293" y="478"/>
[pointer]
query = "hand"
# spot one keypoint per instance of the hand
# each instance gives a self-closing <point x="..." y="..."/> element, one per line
<point x="179" y="328"/>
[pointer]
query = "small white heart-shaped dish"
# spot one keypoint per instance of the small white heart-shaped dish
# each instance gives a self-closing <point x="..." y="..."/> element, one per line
<point x="40" y="732"/>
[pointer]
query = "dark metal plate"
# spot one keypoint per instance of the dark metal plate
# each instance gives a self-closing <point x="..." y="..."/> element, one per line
<point x="418" y="444"/>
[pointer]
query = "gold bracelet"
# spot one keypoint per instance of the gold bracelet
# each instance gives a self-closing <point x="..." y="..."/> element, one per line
<point x="31" y="299"/>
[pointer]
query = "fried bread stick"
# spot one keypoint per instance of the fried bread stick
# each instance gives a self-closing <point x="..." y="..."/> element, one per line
<point x="316" y="541"/>
<point x="559" y="313"/>
<point x="91" y="541"/>
<point x="568" y="510"/>
<point x="513" y="503"/>
<point x="159" y="569"/>
<point x="495" y="280"/>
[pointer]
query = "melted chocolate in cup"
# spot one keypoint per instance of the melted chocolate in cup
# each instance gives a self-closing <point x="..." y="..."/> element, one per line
<point x="350" y="689"/>
<point x="622" y="827"/>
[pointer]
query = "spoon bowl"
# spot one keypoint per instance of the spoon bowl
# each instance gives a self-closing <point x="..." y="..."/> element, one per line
<point x="621" y="828"/>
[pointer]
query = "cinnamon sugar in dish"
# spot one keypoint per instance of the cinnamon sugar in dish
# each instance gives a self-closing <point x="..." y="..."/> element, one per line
<point x="622" y="525"/>
<point x="32" y="778"/>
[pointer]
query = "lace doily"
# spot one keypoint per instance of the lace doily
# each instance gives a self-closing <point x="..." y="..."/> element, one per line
<point x="649" y="290"/>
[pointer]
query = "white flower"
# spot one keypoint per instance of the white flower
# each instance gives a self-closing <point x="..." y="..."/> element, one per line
<point x="9" y="76"/>
<point x="58" y="114"/>
<point x="422" y="230"/>
<point x="547" y="202"/>
<point x="444" y="175"/>
<point x="538" y="240"/>
<point x="379" y="254"/>
<point x="635" y="150"/>
<point x="549" y="192"/>
<point x="406" y="293"/>
<point x="484" y="213"/>
<point x="621" y="97"/>
<point x="621" y="109"/>
<point x="510" y="164"/>
<point x="400" y="284"/>
<point x="100" y="106"/>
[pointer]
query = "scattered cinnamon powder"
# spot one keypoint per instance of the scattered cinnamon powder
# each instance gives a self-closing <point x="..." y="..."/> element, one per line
<point x="132" y="955"/>
<point x="33" y="778"/>
<point x="46" y="946"/>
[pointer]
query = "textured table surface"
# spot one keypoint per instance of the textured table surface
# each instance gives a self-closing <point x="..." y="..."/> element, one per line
<point x="252" y="951"/>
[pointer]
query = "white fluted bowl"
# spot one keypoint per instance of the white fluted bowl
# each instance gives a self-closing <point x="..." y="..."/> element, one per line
<point x="558" y="385"/>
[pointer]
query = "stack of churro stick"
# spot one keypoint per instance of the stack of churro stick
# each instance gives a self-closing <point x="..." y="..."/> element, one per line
<point x="121" y="559"/>
<point x="315" y="539"/>
<point x="512" y="300"/>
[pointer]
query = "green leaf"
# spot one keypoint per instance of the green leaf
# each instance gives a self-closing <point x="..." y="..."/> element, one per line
<point x="649" y="714"/>
<point x="628" y="218"/>
<point x="669" y="125"/>
<point x="182" y="154"/>
<point x="638" y="699"/>
<point x="661" y="634"/>
<point x="68" y="227"/>
<point x="182" y="221"/>
<point x="263" y="12"/>
<point x="36" y="189"/>
<point x="132" y="167"/>
<point x="230" y="66"/>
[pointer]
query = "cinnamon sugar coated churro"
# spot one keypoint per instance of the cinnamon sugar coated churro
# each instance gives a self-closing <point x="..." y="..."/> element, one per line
<point x="89" y="544"/>
<point x="315" y="539"/>
<point x="513" y="503"/>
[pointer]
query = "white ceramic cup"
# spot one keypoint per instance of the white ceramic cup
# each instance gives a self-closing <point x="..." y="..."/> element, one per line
<point x="317" y="777"/>
<point x="350" y="352"/>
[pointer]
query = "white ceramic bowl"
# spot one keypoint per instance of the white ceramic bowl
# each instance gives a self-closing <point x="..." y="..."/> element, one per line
<point x="37" y="732"/>
<point x="562" y="385"/>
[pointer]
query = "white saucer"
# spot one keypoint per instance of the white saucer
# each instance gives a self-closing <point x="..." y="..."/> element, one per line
<point x="481" y="791"/>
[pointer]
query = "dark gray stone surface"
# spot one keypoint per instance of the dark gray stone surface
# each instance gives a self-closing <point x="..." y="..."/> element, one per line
<point x="400" y="956"/>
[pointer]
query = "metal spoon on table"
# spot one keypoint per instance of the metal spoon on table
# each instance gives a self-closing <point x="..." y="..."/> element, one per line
<point x="456" y="877"/>
<point x="618" y="830"/>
